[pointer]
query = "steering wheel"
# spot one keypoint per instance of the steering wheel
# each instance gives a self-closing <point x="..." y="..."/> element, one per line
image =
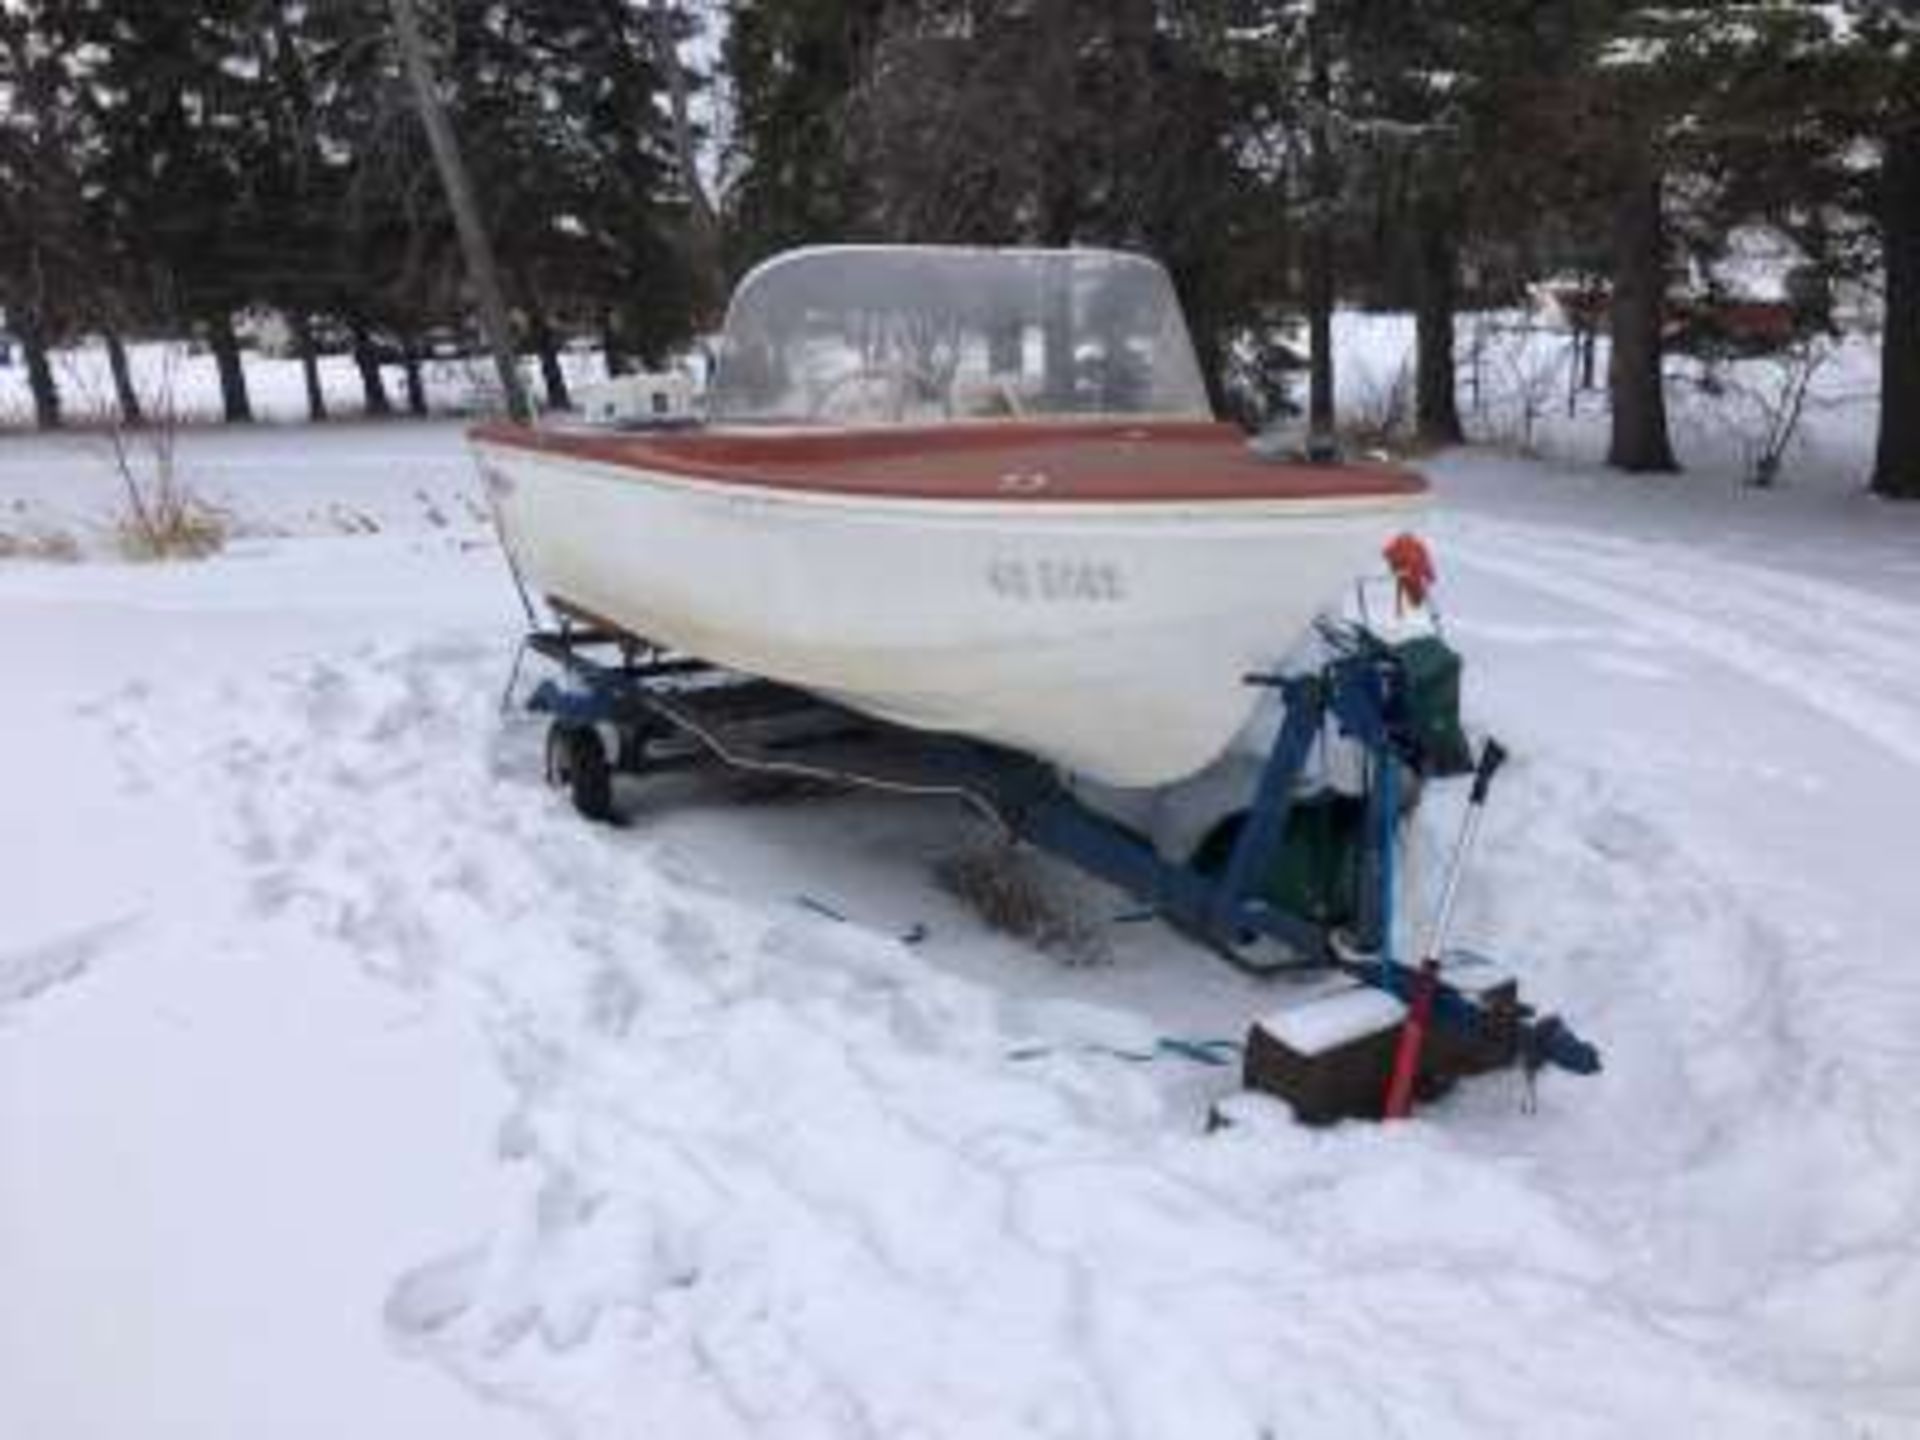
<point x="896" y="377"/>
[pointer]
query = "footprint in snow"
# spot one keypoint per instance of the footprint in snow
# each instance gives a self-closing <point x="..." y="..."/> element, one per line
<point x="429" y="1298"/>
<point x="1621" y="835"/>
<point x="31" y="971"/>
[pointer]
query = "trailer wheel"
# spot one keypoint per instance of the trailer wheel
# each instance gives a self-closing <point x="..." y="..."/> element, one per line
<point x="577" y="762"/>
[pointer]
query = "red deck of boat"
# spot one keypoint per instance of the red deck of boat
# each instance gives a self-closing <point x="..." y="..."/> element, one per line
<point x="1034" y="461"/>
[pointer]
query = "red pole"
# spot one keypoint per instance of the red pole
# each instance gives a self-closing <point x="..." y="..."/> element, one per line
<point x="1413" y="1034"/>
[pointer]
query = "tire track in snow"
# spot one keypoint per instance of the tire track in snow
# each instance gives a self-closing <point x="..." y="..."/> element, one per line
<point x="1788" y="598"/>
<point x="1823" y="645"/>
<point x="1807" y="1035"/>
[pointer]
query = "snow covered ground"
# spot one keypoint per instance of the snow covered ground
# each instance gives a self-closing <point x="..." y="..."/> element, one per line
<point x="339" y="1062"/>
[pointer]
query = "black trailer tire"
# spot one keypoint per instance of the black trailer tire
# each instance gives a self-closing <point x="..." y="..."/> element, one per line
<point x="577" y="761"/>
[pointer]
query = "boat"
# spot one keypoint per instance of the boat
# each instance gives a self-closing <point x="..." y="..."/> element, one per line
<point x="966" y="490"/>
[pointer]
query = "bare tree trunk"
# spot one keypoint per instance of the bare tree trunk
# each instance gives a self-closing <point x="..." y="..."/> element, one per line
<point x="1320" y="333"/>
<point x="610" y="346"/>
<point x="475" y="245"/>
<point x="540" y="334"/>
<point x="367" y="361"/>
<point x="234" y="403"/>
<point x="1437" y="405"/>
<point x="1320" y="279"/>
<point x="40" y="381"/>
<point x="1587" y="334"/>
<point x="1635" y="380"/>
<point x="416" y="382"/>
<point x="1896" y="471"/>
<point x="124" y="394"/>
<point x="1059" y="180"/>
<point x="302" y="328"/>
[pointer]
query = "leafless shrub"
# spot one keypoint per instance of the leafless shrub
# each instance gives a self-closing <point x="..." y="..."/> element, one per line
<point x="1767" y="399"/>
<point x="171" y="523"/>
<point x="1380" y="412"/>
<point x="1516" y="367"/>
<point x="161" y="517"/>
<point x="1014" y="892"/>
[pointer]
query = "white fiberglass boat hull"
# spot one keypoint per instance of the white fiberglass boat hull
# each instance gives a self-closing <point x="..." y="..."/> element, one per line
<point x="1109" y="638"/>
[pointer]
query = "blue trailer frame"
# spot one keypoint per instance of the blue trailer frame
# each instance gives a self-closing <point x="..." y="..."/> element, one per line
<point x="647" y="695"/>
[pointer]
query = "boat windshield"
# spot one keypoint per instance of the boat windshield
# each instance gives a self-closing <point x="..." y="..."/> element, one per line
<point x="891" y="335"/>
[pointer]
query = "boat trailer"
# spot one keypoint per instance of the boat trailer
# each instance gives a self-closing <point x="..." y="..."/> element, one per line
<point x="626" y="706"/>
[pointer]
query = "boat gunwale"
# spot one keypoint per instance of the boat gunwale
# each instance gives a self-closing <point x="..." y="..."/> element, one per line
<point x="734" y="461"/>
<point x="1026" y="508"/>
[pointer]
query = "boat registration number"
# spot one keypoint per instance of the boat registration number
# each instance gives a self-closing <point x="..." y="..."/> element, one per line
<point x="1056" y="580"/>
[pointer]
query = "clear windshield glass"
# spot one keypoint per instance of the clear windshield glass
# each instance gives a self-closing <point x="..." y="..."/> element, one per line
<point x="890" y="335"/>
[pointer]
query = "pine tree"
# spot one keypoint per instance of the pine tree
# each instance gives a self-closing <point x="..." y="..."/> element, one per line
<point x="572" y="160"/>
<point x="1096" y="123"/>
<point x="1766" y="107"/>
<point x="40" y="208"/>
<point x="794" y="67"/>
<point x="1665" y="94"/>
<point x="1886" y="44"/>
<point x="1411" y="72"/>
<point x="171" y="92"/>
